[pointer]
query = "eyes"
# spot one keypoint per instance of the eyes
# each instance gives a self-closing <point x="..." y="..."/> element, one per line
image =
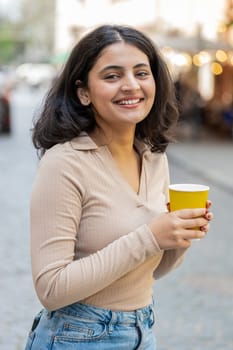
<point x="142" y="74"/>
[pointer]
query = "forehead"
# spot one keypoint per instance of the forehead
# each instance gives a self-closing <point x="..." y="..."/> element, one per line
<point x="121" y="54"/>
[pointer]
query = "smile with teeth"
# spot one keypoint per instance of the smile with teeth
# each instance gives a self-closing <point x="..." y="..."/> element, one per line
<point x="129" y="102"/>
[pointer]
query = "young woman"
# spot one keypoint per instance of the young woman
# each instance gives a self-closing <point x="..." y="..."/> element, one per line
<point x="101" y="231"/>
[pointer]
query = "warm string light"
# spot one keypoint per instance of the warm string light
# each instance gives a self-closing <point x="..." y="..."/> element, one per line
<point x="184" y="60"/>
<point x="209" y="64"/>
<point x="216" y="68"/>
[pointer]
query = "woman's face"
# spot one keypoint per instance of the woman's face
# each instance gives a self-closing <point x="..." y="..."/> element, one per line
<point x="121" y="87"/>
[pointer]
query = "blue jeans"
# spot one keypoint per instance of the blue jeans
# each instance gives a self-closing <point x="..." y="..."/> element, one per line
<point x="84" y="327"/>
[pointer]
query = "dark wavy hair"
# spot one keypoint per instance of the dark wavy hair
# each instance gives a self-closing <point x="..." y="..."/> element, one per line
<point x="63" y="117"/>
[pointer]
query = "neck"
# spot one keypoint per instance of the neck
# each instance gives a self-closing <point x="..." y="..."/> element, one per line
<point x="122" y="148"/>
<point x="120" y="144"/>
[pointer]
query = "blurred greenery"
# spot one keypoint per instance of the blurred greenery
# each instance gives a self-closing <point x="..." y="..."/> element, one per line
<point x="30" y="36"/>
<point x="10" y="43"/>
<point x="7" y="49"/>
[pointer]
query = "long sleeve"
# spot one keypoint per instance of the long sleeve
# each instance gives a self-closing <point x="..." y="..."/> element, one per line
<point x="171" y="258"/>
<point x="59" y="276"/>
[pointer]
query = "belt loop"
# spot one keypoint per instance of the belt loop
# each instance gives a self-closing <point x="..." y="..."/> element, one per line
<point x="138" y="317"/>
<point x="50" y="314"/>
<point x="110" y="325"/>
<point x="152" y="315"/>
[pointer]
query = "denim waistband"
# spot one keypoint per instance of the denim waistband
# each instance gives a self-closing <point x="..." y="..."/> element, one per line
<point x="106" y="315"/>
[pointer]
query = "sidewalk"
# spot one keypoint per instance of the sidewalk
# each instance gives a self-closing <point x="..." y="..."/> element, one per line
<point x="212" y="160"/>
<point x="194" y="302"/>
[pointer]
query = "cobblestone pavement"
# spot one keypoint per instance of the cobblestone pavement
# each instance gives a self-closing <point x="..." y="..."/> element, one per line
<point x="194" y="303"/>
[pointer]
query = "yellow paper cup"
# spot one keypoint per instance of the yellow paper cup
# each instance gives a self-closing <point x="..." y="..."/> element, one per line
<point x="184" y="196"/>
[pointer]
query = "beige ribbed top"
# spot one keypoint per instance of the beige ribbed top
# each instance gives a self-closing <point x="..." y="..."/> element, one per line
<point x="89" y="236"/>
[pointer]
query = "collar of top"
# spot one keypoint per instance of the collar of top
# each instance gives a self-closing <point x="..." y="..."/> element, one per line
<point x="84" y="142"/>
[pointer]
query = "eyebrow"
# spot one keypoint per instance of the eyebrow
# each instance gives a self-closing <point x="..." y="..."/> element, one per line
<point x="116" y="67"/>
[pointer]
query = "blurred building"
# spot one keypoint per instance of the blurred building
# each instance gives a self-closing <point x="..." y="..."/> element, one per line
<point x="75" y="16"/>
<point x="37" y="29"/>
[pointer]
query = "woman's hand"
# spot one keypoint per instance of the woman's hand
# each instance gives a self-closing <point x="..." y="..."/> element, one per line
<point x="209" y="216"/>
<point x="175" y="229"/>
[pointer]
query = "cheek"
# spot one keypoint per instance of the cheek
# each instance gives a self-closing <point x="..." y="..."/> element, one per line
<point x="153" y="90"/>
<point x="99" y="103"/>
<point x="150" y="90"/>
<point x="101" y="95"/>
<point x="99" y="90"/>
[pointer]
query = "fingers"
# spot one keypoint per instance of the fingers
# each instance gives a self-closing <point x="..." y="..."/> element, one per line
<point x="194" y="219"/>
<point x="194" y="213"/>
<point x="205" y="228"/>
<point x="190" y="213"/>
<point x="184" y="212"/>
<point x="193" y="234"/>
<point x="196" y="222"/>
<point x="209" y="216"/>
<point x="178" y="228"/>
<point x="187" y="234"/>
<point x="208" y="204"/>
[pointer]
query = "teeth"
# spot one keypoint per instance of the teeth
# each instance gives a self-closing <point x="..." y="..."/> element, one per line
<point x="129" y="102"/>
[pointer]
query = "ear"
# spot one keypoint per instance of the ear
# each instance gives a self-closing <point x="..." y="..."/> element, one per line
<point x="83" y="96"/>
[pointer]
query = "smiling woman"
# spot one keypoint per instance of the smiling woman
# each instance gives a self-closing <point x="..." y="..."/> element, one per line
<point x="101" y="232"/>
<point x="122" y="94"/>
<point x="63" y="103"/>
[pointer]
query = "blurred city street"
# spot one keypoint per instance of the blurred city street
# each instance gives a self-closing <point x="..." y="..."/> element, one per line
<point x="194" y="304"/>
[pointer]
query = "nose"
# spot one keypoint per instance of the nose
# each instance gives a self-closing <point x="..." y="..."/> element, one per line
<point x="130" y="83"/>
